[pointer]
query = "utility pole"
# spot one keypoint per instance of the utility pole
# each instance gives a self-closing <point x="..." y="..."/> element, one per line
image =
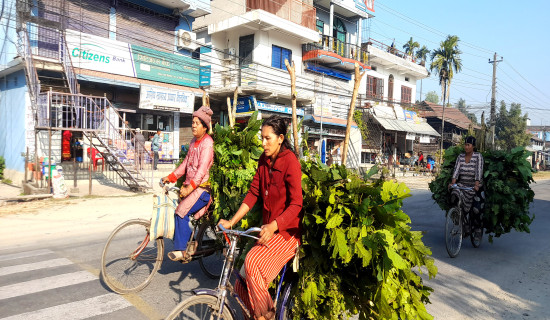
<point x="493" y="98"/>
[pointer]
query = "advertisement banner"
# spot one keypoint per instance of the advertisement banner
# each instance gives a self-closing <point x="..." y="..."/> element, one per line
<point x="158" y="98"/>
<point x="165" y="67"/>
<point x="323" y="107"/>
<point x="100" y="54"/>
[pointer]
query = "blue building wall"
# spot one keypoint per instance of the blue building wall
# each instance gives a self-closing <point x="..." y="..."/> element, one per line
<point x="13" y="93"/>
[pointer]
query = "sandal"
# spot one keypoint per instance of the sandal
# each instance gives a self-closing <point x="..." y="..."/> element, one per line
<point x="180" y="256"/>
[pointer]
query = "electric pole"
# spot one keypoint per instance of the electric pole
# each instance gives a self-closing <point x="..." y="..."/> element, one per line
<point x="493" y="99"/>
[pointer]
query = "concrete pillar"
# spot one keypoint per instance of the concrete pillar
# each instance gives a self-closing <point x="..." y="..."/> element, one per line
<point x="331" y="27"/>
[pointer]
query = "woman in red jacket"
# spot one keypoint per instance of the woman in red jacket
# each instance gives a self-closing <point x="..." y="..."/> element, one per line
<point x="278" y="182"/>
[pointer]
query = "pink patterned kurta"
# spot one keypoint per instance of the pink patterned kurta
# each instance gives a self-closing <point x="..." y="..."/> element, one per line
<point x="195" y="167"/>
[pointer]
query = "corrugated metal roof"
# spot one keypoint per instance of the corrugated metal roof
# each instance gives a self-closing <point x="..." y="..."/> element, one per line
<point x="406" y="126"/>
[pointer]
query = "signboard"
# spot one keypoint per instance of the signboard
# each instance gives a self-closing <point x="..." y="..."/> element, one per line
<point x="424" y="139"/>
<point x="245" y="104"/>
<point x="158" y="98"/>
<point x="204" y="75"/>
<point x="165" y="67"/>
<point x="100" y="54"/>
<point x="261" y="105"/>
<point x="323" y="107"/>
<point x="410" y="136"/>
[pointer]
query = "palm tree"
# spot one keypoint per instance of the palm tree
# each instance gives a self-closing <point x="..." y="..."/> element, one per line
<point x="422" y="54"/>
<point x="410" y="46"/>
<point x="445" y="59"/>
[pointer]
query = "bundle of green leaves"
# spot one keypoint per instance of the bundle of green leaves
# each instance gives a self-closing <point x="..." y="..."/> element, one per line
<point x="507" y="175"/>
<point x="358" y="249"/>
<point x="236" y="154"/>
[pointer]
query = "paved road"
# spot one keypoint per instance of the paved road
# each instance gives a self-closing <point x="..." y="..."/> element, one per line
<point x="49" y="265"/>
<point x="509" y="279"/>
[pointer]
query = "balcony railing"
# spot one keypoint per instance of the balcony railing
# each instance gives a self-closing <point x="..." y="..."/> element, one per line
<point x="293" y="10"/>
<point x="343" y="49"/>
<point x="392" y="50"/>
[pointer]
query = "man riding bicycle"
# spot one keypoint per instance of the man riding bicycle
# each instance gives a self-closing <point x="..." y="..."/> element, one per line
<point x="278" y="182"/>
<point x="195" y="167"/>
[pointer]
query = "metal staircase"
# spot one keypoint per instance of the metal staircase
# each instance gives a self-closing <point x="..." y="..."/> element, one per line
<point x="95" y="117"/>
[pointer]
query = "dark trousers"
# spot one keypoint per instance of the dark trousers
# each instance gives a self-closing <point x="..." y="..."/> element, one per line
<point x="155" y="160"/>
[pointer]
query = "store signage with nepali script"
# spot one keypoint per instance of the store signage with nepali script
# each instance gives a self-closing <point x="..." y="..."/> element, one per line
<point x="165" y="67"/>
<point x="166" y="99"/>
<point x="99" y="54"/>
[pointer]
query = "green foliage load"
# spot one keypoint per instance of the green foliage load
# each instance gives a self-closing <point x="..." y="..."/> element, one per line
<point x="358" y="249"/>
<point x="2" y="167"/>
<point x="236" y="154"/>
<point x="507" y="175"/>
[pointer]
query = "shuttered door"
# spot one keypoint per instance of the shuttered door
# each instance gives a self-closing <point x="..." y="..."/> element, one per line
<point x="48" y="38"/>
<point x="141" y="26"/>
<point x="88" y="16"/>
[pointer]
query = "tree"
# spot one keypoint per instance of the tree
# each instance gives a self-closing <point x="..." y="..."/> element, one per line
<point x="410" y="46"/>
<point x="444" y="60"/>
<point x="432" y="97"/>
<point x="422" y="54"/>
<point x="510" y="127"/>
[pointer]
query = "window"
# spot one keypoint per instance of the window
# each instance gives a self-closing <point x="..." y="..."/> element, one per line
<point x="367" y="157"/>
<point x="406" y="93"/>
<point x="320" y="26"/>
<point x="278" y="56"/>
<point x="375" y="88"/>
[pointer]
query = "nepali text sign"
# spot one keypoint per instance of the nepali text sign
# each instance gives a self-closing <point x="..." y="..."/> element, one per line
<point x="166" y="99"/>
<point x="165" y="67"/>
<point x="99" y="54"/>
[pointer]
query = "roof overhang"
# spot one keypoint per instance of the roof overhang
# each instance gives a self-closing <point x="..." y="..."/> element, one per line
<point x="269" y="94"/>
<point x="265" y="21"/>
<point x="15" y="65"/>
<point x="421" y="128"/>
<point x="344" y="8"/>
<point x="333" y="60"/>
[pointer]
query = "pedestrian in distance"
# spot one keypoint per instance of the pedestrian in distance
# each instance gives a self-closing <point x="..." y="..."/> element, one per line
<point x="139" y="148"/>
<point x="195" y="190"/>
<point x="155" y="147"/>
<point x="278" y="183"/>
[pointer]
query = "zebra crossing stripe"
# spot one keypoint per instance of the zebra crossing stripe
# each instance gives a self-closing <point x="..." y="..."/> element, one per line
<point x="38" y="285"/>
<point x="83" y="309"/>
<point x="25" y="254"/>
<point x="35" y="266"/>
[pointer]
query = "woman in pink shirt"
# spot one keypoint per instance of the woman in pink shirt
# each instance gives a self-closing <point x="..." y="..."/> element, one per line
<point x="278" y="183"/>
<point x="195" y="167"/>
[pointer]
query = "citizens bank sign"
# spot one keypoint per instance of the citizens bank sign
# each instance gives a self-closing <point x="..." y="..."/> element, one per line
<point x="115" y="57"/>
<point x="100" y="54"/>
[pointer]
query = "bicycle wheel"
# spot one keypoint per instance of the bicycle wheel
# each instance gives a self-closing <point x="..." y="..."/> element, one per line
<point x="286" y="303"/>
<point x="129" y="260"/>
<point x="210" y="247"/>
<point x="453" y="232"/>
<point x="199" y="307"/>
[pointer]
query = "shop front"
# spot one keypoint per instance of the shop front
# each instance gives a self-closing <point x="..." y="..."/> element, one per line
<point x="150" y="90"/>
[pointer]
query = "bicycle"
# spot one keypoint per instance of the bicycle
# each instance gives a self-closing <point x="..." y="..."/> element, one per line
<point x="213" y="303"/>
<point x="130" y="260"/>
<point x="455" y="220"/>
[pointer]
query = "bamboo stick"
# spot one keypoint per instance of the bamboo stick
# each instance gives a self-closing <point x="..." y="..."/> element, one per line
<point x="358" y="77"/>
<point x="292" y="73"/>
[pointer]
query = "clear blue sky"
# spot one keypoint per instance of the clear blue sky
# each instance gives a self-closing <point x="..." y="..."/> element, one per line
<point x="517" y="30"/>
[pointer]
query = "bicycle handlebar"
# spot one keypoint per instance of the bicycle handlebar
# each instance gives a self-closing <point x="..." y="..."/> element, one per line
<point x="167" y="189"/>
<point x="455" y="186"/>
<point x="245" y="233"/>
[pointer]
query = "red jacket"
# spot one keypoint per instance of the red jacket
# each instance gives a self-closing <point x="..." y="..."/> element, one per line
<point x="281" y="192"/>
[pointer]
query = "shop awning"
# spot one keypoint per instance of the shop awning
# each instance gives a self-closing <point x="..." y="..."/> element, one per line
<point x="422" y="128"/>
<point x="125" y="81"/>
<point x="329" y="71"/>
